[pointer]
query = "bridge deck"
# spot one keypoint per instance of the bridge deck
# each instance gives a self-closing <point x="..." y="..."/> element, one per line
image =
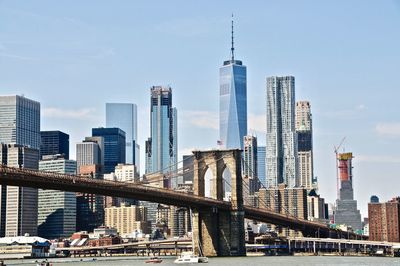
<point x="45" y="180"/>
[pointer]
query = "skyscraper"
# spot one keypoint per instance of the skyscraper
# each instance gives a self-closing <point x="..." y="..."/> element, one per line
<point x="161" y="147"/>
<point x="282" y="163"/>
<point x="261" y="152"/>
<point x="232" y="102"/>
<point x="56" y="209"/>
<point x="20" y="129"/>
<point x="54" y="142"/>
<point x="250" y="164"/>
<point x="22" y="202"/>
<point x="124" y="116"/>
<point x="90" y="152"/>
<point x="20" y="121"/>
<point x="346" y="207"/>
<point x="304" y="144"/>
<point x="114" y="146"/>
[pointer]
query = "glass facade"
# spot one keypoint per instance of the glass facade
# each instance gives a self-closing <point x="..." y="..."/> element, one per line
<point x="20" y="121"/>
<point x="304" y="145"/>
<point x="281" y="153"/>
<point x="114" y="147"/>
<point x="54" y="142"/>
<point x="232" y="104"/>
<point x="124" y="116"/>
<point x="162" y="146"/>
<point x="56" y="209"/>
<point x="261" y="150"/>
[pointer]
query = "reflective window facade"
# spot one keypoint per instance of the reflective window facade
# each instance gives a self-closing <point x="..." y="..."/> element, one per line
<point x="232" y="104"/>
<point x="20" y="121"/>
<point x="114" y="146"/>
<point x="281" y="153"/>
<point x="57" y="209"/>
<point x="124" y="116"/>
<point x="162" y="146"/>
<point x="54" y="142"/>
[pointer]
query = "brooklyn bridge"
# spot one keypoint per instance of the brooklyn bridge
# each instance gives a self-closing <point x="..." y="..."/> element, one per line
<point x="218" y="224"/>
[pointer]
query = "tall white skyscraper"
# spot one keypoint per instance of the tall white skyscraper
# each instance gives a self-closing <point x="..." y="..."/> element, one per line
<point x="281" y="153"/>
<point x="305" y="145"/>
<point x="124" y="116"/>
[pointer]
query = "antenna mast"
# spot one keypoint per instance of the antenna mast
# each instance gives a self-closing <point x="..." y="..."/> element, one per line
<point x="232" y="47"/>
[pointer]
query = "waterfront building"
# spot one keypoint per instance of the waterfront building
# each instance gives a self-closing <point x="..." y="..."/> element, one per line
<point x="384" y="220"/>
<point x="305" y="145"/>
<point x="161" y="147"/>
<point x="54" y="142"/>
<point x="232" y="102"/>
<point x="56" y="209"/>
<point x="127" y="219"/>
<point x="124" y="116"/>
<point x="250" y="173"/>
<point x="346" y="211"/>
<point x="281" y="153"/>
<point x="114" y="146"/>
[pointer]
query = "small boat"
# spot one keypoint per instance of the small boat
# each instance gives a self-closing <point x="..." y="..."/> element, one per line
<point x="189" y="257"/>
<point x="154" y="260"/>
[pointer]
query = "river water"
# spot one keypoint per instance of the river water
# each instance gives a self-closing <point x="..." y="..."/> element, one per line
<point x="247" y="261"/>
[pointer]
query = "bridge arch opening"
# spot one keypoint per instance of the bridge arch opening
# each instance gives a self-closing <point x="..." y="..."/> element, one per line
<point x="208" y="177"/>
<point x="226" y="183"/>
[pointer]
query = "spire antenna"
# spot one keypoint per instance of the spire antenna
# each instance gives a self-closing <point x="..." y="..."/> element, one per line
<point x="232" y="48"/>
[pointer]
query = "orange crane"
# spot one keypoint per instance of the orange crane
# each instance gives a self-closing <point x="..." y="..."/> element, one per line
<point x="336" y="149"/>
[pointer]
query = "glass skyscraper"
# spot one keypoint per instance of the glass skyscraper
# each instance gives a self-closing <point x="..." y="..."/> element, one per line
<point x="54" y="142"/>
<point x="20" y="121"/>
<point x="162" y="146"/>
<point x="57" y="209"/>
<point x="114" y="146"/>
<point x="261" y="150"/>
<point x="20" y="130"/>
<point x="232" y="103"/>
<point x="282" y="162"/>
<point x="124" y="116"/>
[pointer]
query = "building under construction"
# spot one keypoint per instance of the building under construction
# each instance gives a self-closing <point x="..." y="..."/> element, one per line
<point x="346" y="207"/>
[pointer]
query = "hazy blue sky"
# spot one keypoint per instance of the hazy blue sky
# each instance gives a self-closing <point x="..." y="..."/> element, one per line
<point x="74" y="56"/>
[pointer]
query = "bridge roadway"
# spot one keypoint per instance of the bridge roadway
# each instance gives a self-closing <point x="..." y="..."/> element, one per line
<point x="46" y="180"/>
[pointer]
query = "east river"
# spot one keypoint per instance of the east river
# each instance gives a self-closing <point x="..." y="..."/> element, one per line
<point x="248" y="261"/>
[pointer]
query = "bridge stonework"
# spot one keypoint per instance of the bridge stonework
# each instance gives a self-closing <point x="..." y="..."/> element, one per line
<point x="219" y="232"/>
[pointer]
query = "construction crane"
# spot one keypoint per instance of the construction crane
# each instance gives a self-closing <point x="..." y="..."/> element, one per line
<point x="336" y="149"/>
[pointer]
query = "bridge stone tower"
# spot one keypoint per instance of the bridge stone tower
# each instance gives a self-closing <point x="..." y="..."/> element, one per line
<point x="219" y="232"/>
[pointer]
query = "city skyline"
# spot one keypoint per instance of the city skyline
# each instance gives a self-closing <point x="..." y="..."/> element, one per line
<point x="342" y="110"/>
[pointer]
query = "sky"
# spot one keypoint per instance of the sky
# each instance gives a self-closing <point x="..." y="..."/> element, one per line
<point x="74" y="56"/>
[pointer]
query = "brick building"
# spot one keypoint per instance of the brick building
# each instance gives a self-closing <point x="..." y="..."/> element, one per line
<point x="383" y="219"/>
